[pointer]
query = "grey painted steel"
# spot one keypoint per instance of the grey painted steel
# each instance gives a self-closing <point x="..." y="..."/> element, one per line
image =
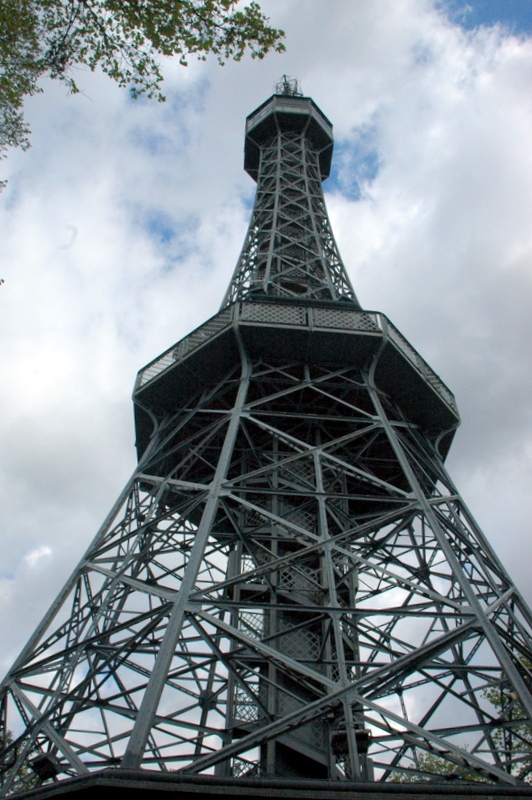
<point x="289" y="250"/>
<point x="297" y="317"/>
<point x="136" y="783"/>
<point x="290" y="585"/>
<point x="150" y="701"/>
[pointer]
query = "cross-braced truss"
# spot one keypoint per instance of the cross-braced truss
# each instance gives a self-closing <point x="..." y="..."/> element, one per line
<point x="290" y="577"/>
<point x="289" y="250"/>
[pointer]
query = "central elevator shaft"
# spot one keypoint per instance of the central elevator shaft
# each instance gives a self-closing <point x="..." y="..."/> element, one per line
<point x="290" y="254"/>
<point x="290" y="609"/>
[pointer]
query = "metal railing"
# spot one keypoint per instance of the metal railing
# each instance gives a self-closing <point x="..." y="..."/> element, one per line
<point x="292" y="105"/>
<point x="421" y="365"/>
<point x="310" y="317"/>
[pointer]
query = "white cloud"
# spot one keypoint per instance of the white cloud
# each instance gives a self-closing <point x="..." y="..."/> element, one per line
<point x="440" y="241"/>
<point x="33" y="558"/>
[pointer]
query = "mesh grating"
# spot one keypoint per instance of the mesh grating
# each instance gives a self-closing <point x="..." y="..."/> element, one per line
<point x="187" y="345"/>
<point x="156" y="368"/>
<point x="299" y="471"/>
<point x="252" y="623"/>
<point x="286" y="315"/>
<point x="312" y="734"/>
<point x="421" y="365"/>
<point x="300" y="517"/>
<point x="299" y="643"/>
<point x="300" y="578"/>
<point x="245" y="708"/>
<point x="403" y="345"/>
<point x="244" y="769"/>
<point x="252" y="519"/>
<point x="343" y="320"/>
<point x="207" y="331"/>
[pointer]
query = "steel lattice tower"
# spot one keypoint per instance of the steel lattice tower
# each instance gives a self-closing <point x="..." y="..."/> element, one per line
<point x="290" y="585"/>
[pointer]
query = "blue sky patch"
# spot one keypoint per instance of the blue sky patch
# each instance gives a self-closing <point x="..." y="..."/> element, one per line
<point x="516" y="15"/>
<point x="175" y="239"/>
<point x="354" y="165"/>
<point x="160" y="227"/>
<point x="150" y="142"/>
<point x="178" y="114"/>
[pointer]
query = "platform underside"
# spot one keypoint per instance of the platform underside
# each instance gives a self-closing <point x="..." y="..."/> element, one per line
<point x="315" y="334"/>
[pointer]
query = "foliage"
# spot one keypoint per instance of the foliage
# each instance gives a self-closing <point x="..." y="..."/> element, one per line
<point x="513" y="740"/>
<point x="512" y="737"/>
<point x="26" y="776"/>
<point x="122" y="37"/>
<point x="19" y="69"/>
<point x="428" y="765"/>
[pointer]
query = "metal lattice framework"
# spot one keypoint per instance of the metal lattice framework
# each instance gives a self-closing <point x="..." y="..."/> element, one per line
<point x="289" y="250"/>
<point x="290" y="584"/>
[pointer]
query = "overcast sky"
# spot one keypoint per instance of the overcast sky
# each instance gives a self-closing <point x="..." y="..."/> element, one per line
<point x="121" y="226"/>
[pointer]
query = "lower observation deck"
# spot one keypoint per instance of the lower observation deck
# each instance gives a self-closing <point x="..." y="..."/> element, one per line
<point x="313" y="334"/>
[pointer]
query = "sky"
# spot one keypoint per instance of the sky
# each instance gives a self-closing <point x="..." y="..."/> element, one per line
<point x="121" y="226"/>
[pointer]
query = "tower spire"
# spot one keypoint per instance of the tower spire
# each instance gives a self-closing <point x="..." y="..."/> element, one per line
<point x="289" y="251"/>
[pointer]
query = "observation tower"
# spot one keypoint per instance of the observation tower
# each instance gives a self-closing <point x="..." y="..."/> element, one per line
<point x="290" y="597"/>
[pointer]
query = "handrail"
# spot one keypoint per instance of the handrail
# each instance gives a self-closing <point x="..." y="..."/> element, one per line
<point x="292" y="315"/>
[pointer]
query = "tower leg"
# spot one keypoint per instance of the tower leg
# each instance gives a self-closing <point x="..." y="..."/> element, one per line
<point x="289" y="587"/>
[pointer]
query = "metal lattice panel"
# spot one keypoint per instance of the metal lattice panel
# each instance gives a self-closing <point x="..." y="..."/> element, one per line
<point x="206" y="603"/>
<point x="290" y="251"/>
<point x="284" y="315"/>
<point x="343" y="320"/>
<point x="187" y="345"/>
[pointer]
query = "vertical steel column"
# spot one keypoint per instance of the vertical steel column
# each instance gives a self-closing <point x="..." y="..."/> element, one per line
<point x="500" y="651"/>
<point x="150" y="701"/>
